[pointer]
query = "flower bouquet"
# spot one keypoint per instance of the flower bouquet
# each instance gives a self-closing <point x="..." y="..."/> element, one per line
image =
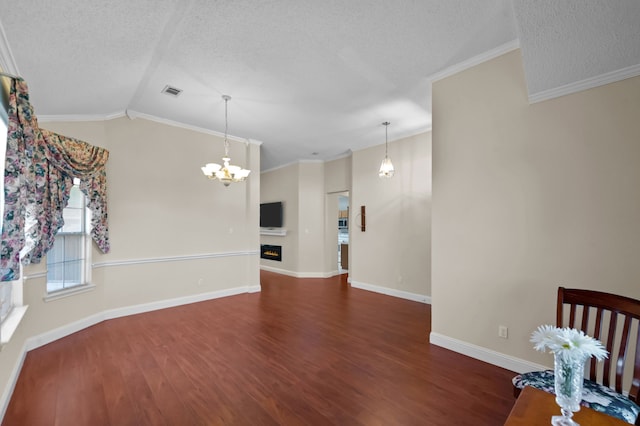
<point x="571" y="348"/>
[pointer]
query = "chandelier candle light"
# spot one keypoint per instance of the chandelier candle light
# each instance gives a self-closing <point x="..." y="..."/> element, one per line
<point x="226" y="173"/>
<point x="386" y="168"/>
<point x="571" y="349"/>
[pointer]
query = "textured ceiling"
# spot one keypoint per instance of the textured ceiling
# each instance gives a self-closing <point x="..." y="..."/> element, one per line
<point x="564" y="42"/>
<point x="305" y="76"/>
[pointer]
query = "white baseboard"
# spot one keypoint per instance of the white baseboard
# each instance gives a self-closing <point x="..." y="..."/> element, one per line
<point x="279" y="271"/>
<point x="11" y="383"/>
<point x="254" y="289"/>
<point x="300" y="274"/>
<point x="67" y="329"/>
<point x="483" y="354"/>
<point x="422" y="298"/>
<point x="63" y="331"/>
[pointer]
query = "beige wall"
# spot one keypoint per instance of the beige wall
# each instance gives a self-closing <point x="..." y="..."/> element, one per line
<point x="527" y="198"/>
<point x="393" y="256"/>
<point x="301" y="187"/>
<point x="282" y="185"/>
<point x="337" y="175"/>
<point x="160" y="206"/>
<point x="394" y="251"/>
<point x="310" y="214"/>
<point x="311" y="219"/>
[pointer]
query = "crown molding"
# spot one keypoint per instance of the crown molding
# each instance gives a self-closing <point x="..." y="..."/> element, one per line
<point x="417" y="132"/>
<point x="282" y="166"/>
<point x="476" y="60"/>
<point x="254" y="141"/>
<point x="7" y="61"/>
<point x="347" y="153"/>
<point x="80" y="117"/>
<point x="588" y="83"/>
<point x="132" y="115"/>
<point x="298" y="161"/>
<point x="291" y="163"/>
<point x="310" y="161"/>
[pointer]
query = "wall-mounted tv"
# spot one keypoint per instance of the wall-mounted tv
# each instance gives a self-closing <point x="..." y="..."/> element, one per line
<point x="271" y="215"/>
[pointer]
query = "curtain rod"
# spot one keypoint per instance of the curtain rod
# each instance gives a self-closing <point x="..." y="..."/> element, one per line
<point x="10" y="75"/>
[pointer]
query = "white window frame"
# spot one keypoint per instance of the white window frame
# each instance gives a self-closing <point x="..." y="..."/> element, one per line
<point x="85" y="281"/>
<point x="16" y="311"/>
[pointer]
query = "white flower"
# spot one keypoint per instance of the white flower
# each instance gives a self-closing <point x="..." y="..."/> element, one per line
<point x="568" y="343"/>
<point x="546" y="336"/>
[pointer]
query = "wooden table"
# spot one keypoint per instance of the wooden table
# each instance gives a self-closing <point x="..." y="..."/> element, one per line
<point x="535" y="407"/>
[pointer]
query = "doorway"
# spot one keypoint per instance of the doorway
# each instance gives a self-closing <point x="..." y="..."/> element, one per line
<point x="343" y="232"/>
<point x="336" y="235"/>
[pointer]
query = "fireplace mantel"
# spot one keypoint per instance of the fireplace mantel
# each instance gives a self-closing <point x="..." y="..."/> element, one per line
<point x="280" y="232"/>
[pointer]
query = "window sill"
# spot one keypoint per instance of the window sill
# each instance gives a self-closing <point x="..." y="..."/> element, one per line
<point x="10" y="324"/>
<point x="61" y="294"/>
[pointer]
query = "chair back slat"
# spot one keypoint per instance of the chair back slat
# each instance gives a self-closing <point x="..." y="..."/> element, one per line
<point x="622" y="352"/>
<point x="616" y="318"/>
<point x="572" y="316"/>
<point x="597" y="331"/>
<point x="585" y="318"/>
<point x="611" y="334"/>
<point x="634" y="393"/>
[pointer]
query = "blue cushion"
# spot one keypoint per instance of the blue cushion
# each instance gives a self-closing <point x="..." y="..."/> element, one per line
<point x="595" y="396"/>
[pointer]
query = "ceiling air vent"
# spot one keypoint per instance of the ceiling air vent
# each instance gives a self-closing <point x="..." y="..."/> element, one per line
<point x="173" y="91"/>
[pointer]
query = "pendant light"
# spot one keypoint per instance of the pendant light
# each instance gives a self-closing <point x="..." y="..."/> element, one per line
<point x="226" y="173"/>
<point x="386" y="168"/>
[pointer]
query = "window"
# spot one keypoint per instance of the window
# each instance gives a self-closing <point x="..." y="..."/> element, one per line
<point x="11" y="307"/>
<point x="6" y="299"/>
<point x="6" y="288"/>
<point x="68" y="263"/>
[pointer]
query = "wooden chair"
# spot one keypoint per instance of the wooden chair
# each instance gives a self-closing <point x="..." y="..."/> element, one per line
<point x="611" y="386"/>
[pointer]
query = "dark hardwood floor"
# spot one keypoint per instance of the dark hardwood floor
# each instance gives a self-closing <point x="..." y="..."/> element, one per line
<point x="303" y="351"/>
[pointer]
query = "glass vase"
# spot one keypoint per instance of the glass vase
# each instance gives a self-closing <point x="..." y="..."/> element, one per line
<point x="569" y="378"/>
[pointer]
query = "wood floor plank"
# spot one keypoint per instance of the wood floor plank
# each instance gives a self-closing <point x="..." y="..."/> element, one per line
<point x="41" y="385"/>
<point x="300" y="352"/>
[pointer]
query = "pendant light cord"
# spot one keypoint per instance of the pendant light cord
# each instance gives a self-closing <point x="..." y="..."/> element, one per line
<point x="386" y="138"/>
<point x="226" y="125"/>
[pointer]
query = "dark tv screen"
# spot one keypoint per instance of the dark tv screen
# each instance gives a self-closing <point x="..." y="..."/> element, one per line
<point x="271" y="215"/>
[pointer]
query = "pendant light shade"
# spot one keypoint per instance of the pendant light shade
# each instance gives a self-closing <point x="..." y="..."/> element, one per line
<point x="386" y="168"/>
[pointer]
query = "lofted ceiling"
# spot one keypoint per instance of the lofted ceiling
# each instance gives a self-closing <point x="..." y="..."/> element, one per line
<point x="310" y="80"/>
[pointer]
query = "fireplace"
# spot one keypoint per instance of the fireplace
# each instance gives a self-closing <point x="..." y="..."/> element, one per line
<point x="271" y="252"/>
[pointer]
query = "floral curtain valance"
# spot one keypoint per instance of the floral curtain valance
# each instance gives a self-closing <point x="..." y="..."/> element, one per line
<point x="39" y="170"/>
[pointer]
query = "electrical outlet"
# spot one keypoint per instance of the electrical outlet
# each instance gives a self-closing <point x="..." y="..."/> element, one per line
<point x="503" y="331"/>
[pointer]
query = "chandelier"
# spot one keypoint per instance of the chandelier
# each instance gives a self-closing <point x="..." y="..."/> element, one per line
<point x="226" y="173"/>
<point x="386" y="168"/>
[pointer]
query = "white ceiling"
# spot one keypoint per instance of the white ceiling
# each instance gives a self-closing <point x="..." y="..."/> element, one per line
<point x="305" y="75"/>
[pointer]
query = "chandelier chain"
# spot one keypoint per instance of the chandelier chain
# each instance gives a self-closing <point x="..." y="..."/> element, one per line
<point x="226" y="126"/>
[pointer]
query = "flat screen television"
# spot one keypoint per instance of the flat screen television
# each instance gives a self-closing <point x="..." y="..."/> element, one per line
<point x="271" y="215"/>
